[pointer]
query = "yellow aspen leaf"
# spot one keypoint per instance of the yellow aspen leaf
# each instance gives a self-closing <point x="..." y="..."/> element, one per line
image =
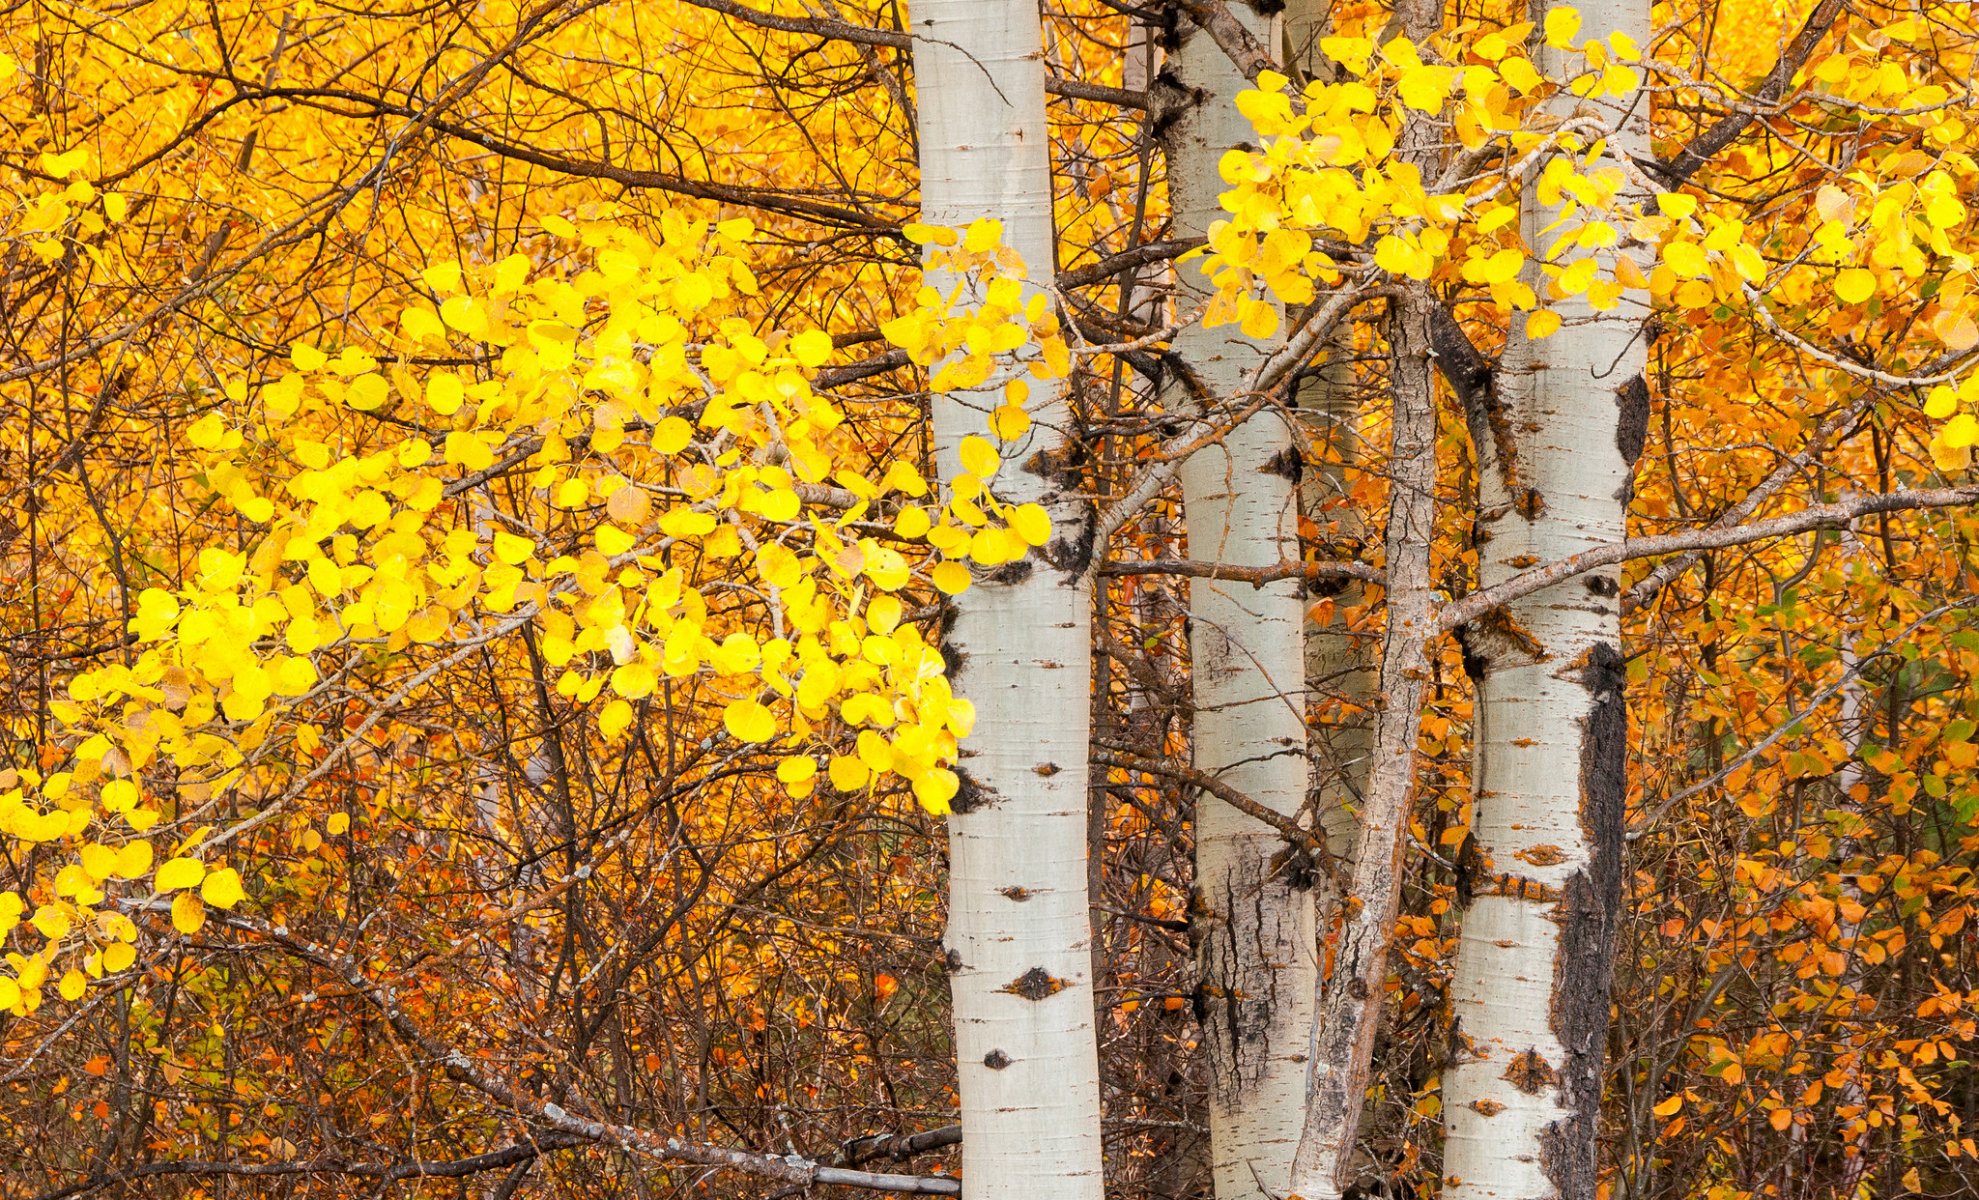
<point x="615" y="719"/>
<point x="177" y="873"/>
<point x="466" y="314"/>
<point x="1955" y="329"/>
<point x="98" y="861"/>
<point x="935" y="788"/>
<point x="979" y="458"/>
<point x="307" y="357"/>
<point x="796" y="769"/>
<point x="118" y="956"/>
<point x="221" y="888"/>
<point x="1032" y="523"/>
<point x="467" y="450"/>
<point x="1009" y="422"/>
<point x="748" y="721"/>
<point x="337" y="823"/>
<point x="188" y="913"/>
<point x="629" y="505"/>
<point x="848" y="774"/>
<point x="1961" y="431"/>
<point x="1941" y="403"/>
<point x="984" y="234"/>
<point x="73" y="985"/>
<point x="367" y="392"/>
<point x="1669" y="1107"/>
<point x="672" y="435"/>
<point x="442" y="277"/>
<point x="951" y="577"/>
<point x="1780" y="1119"/>
<point x="613" y="541"/>
<point x="445" y="393"/>
<point x="1544" y="323"/>
<point x="1562" y="23"/>
<point x="1685" y="258"/>
<point x="634" y="680"/>
<point x="1260" y="319"/>
<point x="1855" y="285"/>
<point x="133" y="860"/>
<point x="50" y="922"/>
<point x="812" y="348"/>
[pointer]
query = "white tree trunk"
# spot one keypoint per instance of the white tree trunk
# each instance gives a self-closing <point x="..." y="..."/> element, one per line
<point x="1255" y="945"/>
<point x="1542" y="870"/>
<point x="1019" y="940"/>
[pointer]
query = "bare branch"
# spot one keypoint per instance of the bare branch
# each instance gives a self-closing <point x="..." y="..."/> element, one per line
<point x="1820" y="516"/>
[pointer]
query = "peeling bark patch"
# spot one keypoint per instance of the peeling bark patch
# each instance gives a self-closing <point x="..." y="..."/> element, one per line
<point x="951" y="960"/>
<point x="1587" y="915"/>
<point x="1542" y="856"/>
<point x="1486" y="1108"/>
<point x="996" y="1060"/>
<point x="1602" y="585"/>
<point x="1035" y="984"/>
<point x="1532" y="1074"/>
<point x="1046" y="769"/>
<point x="1017" y="892"/>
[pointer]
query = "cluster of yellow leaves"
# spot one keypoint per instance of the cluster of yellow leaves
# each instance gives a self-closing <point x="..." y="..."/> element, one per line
<point x="652" y="430"/>
<point x="1328" y="170"/>
<point x="1328" y="178"/>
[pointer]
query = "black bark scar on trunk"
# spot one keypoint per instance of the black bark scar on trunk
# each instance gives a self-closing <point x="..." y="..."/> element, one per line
<point x="1631" y="428"/>
<point x="1587" y="914"/>
<point x="970" y="794"/>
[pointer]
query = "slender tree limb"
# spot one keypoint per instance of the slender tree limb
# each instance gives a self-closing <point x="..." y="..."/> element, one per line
<point x="1820" y="516"/>
<point x="1668" y="572"/>
<point x="790" y="1169"/>
<point x="1298" y="835"/>
<point x="844" y="31"/>
<point x="1677" y="170"/>
<point x="388" y="1172"/>
<point x="1245" y="50"/>
<point x="1112" y="265"/>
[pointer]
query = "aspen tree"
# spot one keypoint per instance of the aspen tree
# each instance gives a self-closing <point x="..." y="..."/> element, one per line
<point x="1019" y="940"/>
<point x="1556" y="459"/>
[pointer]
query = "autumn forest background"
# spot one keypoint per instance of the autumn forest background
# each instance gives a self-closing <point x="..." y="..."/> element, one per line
<point x="431" y="431"/>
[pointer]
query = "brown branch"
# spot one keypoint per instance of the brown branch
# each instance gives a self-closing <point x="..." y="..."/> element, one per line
<point x="389" y="1172"/>
<point x="1298" y="835"/>
<point x="1107" y="268"/>
<point x="1820" y="516"/>
<point x="1700" y="149"/>
<point x="790" y="1169"/>
<point x="1668" y="572"/>
<point x="1213" y="18"/>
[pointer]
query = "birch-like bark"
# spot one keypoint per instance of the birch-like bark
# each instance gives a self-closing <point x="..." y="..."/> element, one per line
<point x="1541" y="879"/>
<point x="1019" y="942"/>
<point x="1253" y="912"/>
